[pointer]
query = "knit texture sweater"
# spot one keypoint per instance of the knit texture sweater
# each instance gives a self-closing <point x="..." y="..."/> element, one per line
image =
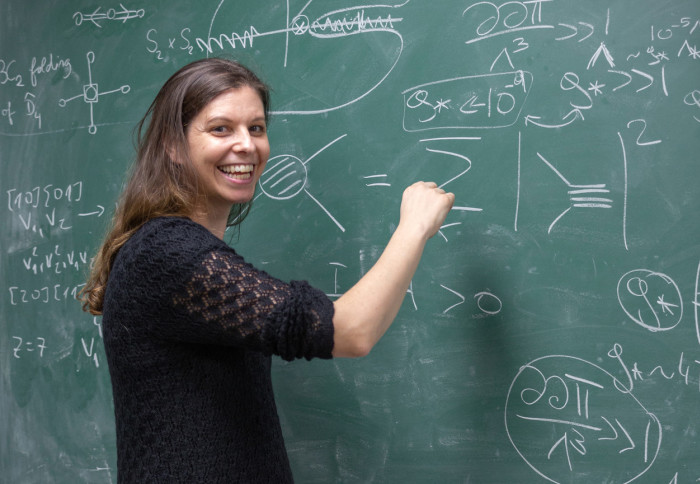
<point x="188" y="329"/>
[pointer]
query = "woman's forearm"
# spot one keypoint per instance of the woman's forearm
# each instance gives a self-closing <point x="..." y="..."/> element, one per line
<point x="365" y="312"/>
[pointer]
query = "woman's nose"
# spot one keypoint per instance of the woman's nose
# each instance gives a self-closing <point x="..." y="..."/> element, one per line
<point x="243" y="141"/>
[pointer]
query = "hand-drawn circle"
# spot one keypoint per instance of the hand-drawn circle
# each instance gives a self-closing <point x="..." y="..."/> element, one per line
<point x="300" y="25"/>
<point x="319" y="93"/>
<point x="572" y="421"/>
<point x="284" y="178"/>
<point x="644" y="297"/>
<point x="479" y="296"/>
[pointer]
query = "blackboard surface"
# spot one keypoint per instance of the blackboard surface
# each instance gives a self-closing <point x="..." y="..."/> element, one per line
<point x="551" y="333"/>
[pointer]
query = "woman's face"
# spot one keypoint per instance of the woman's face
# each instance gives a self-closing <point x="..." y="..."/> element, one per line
<point x="229" y="148"/>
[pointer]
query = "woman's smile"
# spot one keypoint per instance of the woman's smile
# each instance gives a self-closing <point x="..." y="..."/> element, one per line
<point x="229" y="149"/>
<point x="238" y="173"/>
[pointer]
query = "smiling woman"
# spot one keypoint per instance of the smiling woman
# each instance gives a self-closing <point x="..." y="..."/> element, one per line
<point x="188" y="325"/>
<point x="228" y="148"/>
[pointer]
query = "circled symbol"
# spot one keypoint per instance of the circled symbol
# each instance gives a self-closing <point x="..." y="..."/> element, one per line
<point x="285" y="177"/>
<point x="650" y="299"/>
<point x="300" y="25"/>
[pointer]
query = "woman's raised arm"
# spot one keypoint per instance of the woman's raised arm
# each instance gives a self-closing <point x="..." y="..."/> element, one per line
<point x="365" y="312"/>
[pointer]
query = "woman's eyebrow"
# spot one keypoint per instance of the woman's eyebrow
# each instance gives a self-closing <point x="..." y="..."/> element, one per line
<point x="224" y="118"/>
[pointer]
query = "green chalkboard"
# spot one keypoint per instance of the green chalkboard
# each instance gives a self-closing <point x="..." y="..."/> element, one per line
<point x="551" y="333"/>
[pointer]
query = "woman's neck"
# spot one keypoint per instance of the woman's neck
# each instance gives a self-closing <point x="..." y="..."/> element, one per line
<point x="215" y="223"/>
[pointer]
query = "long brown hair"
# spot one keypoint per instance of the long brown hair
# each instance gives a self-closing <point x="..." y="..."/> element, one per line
<point x="158" y="185"/>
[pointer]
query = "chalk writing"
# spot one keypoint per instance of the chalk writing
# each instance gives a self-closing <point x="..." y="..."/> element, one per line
<point x="482" y="101"/>
<point x="572" y="78"/>
<point x="47" y="65"/>
<point x="693" y="99"/>
<point x="37" y="344"/>
<point x="650" y="299"/>
<point x="91" y="93"/>
<point x="43" y="295"/>
<point x="602" y="50"/>
<point x="31" y="108"/>
<point x="24" y="204"/>
<point x="90" y="351"/>
<point x="45" y="196"/>
<point x="57" y="261"/>
<point x="342" y="23"/>
<point x="509" y="17"/>
<point x="581" y="31"/>
<point x="634" y="373"/>
<point x="373" y="183"/>
<point x="643" y="124"/>
<point x="488" y="303"/>
<point x="285" y="177"/>
<point x="570" y="81"/>
<point x="7" y="113"/>
<point x="684" y="25"/>
<point x="346" y="22"/>
<point x="97" y="16"/>
<point x="181" y="43"/>
<point x="461" y="297"/>
<point x="336" y="292"/>
<point x="579" y="412"/>
<point x="692" y="52"/>
<point x="579" y="195"/>
<point x="7" y="76"/>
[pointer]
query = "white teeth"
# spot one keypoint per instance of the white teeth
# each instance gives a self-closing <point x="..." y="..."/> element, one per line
<point x="237" y="168"/>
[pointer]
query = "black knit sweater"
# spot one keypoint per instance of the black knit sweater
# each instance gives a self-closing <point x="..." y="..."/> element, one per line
<point x="189" y="328"/>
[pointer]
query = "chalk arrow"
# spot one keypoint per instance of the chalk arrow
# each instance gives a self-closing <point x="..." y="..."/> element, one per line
<point x="99" y="212"/>
<point x="574" y="114"/>
<point x="606" y="53"/>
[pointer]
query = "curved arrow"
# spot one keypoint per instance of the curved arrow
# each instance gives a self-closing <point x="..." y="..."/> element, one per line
<point x="535" y="119"/>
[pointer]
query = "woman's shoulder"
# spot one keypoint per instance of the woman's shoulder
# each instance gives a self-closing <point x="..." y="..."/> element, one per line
<point x="175" y="230"/>
<point x="165" y="240"/>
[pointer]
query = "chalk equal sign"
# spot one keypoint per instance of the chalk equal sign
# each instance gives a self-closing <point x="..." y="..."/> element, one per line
<point x="377" y="184"/>
<point x="284" y="178"/>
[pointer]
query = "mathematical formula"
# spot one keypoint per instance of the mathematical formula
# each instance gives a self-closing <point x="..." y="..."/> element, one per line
<point x="504" y="90"/>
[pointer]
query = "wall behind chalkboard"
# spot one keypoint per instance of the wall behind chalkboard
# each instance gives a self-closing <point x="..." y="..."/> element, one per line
<point x="551" y="333"/>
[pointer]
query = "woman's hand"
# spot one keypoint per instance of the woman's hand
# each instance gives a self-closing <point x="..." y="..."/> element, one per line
<point x="424" y="207"/>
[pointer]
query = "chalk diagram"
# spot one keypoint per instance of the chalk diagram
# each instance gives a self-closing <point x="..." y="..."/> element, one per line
<point x="305" y="33"/>
<point x="650" y="299"/>
<point x="285" y="177"/>
<point x="462" y="159"/>
<point x="91" y="93"/>
<point x="572" y="421"/>
<point x="579" y="195"/>
<point x="485" y="101"/>
<point x="113" y="14"/>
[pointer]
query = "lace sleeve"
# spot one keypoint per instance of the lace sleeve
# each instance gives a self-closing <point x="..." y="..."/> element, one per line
<point x="229" y="301"/>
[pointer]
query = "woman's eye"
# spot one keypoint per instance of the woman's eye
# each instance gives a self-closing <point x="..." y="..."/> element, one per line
<point x="219" y="129"/>
<point x="257" y="129"/>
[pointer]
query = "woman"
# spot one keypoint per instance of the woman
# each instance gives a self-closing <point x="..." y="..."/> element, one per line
<point x="188" y="325"/>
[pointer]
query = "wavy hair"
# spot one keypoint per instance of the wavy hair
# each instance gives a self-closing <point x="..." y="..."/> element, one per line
<point x="158" y="185"/>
